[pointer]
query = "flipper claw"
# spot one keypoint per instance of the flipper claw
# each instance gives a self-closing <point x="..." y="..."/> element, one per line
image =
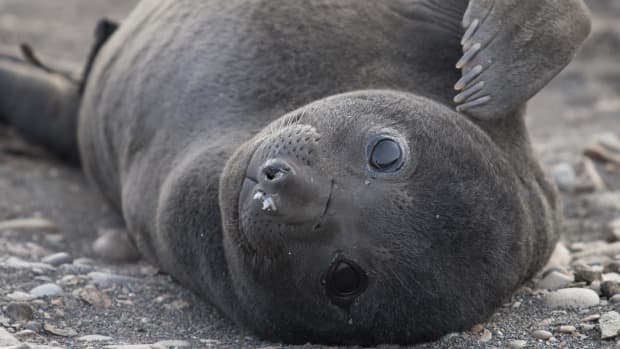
<point x="474" y="103"/>
<point x="469" y="54"/>
<point x="468" y="77"/>
<point x="469" y="92"/>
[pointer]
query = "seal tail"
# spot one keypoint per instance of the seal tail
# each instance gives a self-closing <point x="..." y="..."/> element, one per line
<point x="43" y="104"/>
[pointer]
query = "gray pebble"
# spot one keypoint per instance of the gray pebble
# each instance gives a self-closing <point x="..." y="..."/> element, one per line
<point x="57" y="259"/>
<point x="106" y="279"/>
<point x="588" y="273"/>
<point x="615" y="299"/>
<point x="517" y="344"/>
<point x="19" y="296"/>
<point x="542" y="334"/>
<point x="567" y="329"/>
<point x="34" y="326"/>
<point x="174" y="344"/>
<point x="610" y="324"/>
<point x="19" y="312"/>
<point x="610" y="288"/>
<point x="572" y="297"/>
<point x="554" y="280"/>
<point x="46" y="290"/>
<point x="564" y="176"/>
<point x="95" y="338"/>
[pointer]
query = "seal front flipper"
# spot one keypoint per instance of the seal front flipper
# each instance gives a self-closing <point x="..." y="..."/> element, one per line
<point x="512" y="49"/>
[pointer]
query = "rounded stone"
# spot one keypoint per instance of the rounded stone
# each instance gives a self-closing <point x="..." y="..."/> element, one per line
<point x="517" y="344"/>
<point x="19" y="312"/>
<point x="46" y="290"/>
<point x="572" y="297"/>
<point x="542" y="334"/>
<point x="58" y="259"/>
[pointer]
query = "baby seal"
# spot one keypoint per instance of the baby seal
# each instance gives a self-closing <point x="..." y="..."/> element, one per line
<point x="307" y="167"/>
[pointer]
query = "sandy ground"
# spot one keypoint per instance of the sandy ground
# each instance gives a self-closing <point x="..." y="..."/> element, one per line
<point x="578" y="108"/>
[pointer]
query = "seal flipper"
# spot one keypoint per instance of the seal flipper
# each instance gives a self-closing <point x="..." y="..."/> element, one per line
<point x="42" y="105"/>
<point x="512" y="49"/>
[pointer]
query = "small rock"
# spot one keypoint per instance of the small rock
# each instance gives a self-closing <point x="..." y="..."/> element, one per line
<point x="596" y="287"/>
<point x="560" y="258"/>
<point x="587" y="327"/>
<point x="95" y="338"/>
<point x="610" y="324"/>
<point x="174" y="344"/>
<point x="84" y="261"/>
<point x="26" y="334"/>
<point x="572" y="297"/>
<point x="554" y="280"/>
<point x="485" y="336"/>
<point x="611" y="267"/>
<point x="592" y="317"/>
<point x="567" y="329"/>
<point x="46" y="290"/>
<point x="16" y="263"/>
<point x="7" y="339"/>
<point x="106" y="279"/>
<point x="57" y="259"/>
<point x="614" y="230"/>
<point x="19" y="312"/>
<point x="177" y="305"/>
<point x="610" y="288"/>
<point x="517" y="344"/>
<point x="115" y="245"/>
<point x="19" y="296"/>
<point x="564" y="176"/>
<point x="62" y="332"/>
<point x="615" y="299"/>
<point x="542" y="334"/>
<point x="611" y="277"/>
<point x="588" y="273"/>
<point x="93" y="296"/>
<point x="135" y="346"/>
<point x="28" y="224"/>
<point x="34" y="326"/>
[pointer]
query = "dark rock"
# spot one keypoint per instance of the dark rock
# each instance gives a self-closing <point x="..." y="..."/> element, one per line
<point x="610" y="288"/>
<point x="19" y="312"/>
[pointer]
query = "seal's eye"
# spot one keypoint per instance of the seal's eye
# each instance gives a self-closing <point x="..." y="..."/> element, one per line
<point x="386" y="155"/>
<point x="344" y="281"/>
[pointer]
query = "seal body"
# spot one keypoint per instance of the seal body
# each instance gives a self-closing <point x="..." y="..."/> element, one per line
<point x="300" y="164"/>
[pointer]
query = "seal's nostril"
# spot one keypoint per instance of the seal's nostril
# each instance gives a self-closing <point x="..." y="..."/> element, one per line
<point x="275" y="170"/>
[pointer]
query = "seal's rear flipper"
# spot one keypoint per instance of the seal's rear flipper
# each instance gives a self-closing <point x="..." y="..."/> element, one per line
<point x="512" y="49"/>
<point x="43" y="103"/>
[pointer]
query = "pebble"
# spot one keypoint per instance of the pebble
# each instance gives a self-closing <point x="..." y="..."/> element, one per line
<point x="592" y="317"/>
<point x="542" y="334"/>
<point x="106" y="279"/>
<point x="560" y="258"/>
<point x="91" y="295"/>
<point x="95" y="338"/>
<point x="34" y="326"/>
<point x="28" y="224"/>
<point x="19" y="312"/>
<point x="615" y="299"/>
<point x="7" y="339"/>
<point x="614" y="230"/>
<point x="609" y="324"/>
<point x="135" y="346"/>
<point x="17" y="263"/>
<point x="554" y="280"/>
<point x="485" y="336"/>
<point x="46" y="290"/>
<point x="572" y="297"/>
<point x="587" y="327"/>
<point x="610" y="288"/>
<point x="26" y="334"/>
<point x="517" y="344"/>
<point x="567" y="329"/>
<point x="588" y="273"/>
<point x="564" y="176"/>
<point x="612" y="267"/>
<point x="57" y="259"/>
<point x="19" y="296"/>
<point x="174" y="344"/>
<point x="62" y="332"/>
<point x="611" y="277"/>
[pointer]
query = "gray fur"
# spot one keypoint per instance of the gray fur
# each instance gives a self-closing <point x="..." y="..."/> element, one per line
<point x="188" y="98"/>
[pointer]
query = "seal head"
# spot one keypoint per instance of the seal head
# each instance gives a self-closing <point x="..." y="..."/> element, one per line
<point x="372" y="217"/>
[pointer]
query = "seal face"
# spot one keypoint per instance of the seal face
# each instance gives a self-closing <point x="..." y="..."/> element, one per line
<point x="339" y="209"/>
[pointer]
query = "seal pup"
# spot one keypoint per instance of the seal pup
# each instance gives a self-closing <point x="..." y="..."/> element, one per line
<point x="307" y="166"/>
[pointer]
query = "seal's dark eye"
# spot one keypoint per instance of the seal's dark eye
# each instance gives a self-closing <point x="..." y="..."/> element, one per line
<point x="386" y="155"/>
<point x="344" y="281"/>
